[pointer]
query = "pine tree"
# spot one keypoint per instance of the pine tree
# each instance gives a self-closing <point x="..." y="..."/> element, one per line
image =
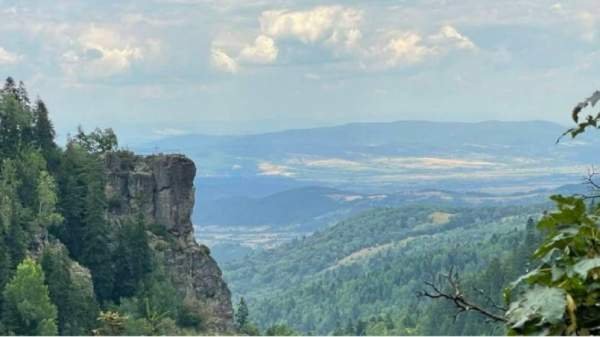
<point x="85" y="230"/>
<point x="77" y="307"/>
<point x="43" y="133"/>
<point x="97" y="253"/>
<point x="72" y="186"/>
<point x="27" y="306"/>
<point x="22" y="95"/>
<point x="133" y="257"/>
<point x="10" y="86"/>
<point x="11" y="125"/>
<point x="241" y="315"/>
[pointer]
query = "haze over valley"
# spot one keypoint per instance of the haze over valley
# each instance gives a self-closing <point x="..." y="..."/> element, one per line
<point x="336" y="172"/>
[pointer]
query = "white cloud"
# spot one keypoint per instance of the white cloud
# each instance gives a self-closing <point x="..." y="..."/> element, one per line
<point x="100" y="52"/>
<point x="7" y="57"/>
<point x="270" y="169"/>
<point x="263" y="50"/>
<point x="334" y="24"/>
<point x="223" y="62"/>
<point x="448" y="37"/>
<point x="407" y="48"/>
<point x="339" y="28"/>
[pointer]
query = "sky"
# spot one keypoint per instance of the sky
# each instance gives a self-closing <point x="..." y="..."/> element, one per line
<point x="158" y="68"/>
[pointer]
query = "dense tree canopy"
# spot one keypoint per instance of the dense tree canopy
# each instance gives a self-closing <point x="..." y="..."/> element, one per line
<point x="27" y="306"/>
<point x="61" y="261"/>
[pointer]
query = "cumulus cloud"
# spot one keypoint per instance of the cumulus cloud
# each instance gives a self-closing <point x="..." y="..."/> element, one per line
<point x="100" y="52"/>
<point x="7" y="57"/>
<point x="335" y="24"/>
<point x="223" y="62"/>
<point x="338" y="28"/>
<point x="407" y="48"/>
<point x="448" y="37"/>
<point x="262" y="51"/>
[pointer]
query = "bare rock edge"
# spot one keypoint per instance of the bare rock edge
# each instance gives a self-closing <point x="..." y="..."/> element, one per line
<point x="162" y="188"/>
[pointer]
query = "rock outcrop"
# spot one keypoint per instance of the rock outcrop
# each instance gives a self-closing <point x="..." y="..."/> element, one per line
<point x="161" y="188"/>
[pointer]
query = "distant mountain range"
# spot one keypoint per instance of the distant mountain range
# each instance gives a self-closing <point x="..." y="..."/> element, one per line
<point x="297" y="176"/>
<point x="310" y="208"/>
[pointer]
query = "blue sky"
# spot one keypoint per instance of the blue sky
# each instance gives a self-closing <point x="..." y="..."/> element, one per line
<point x="166" y="67"/>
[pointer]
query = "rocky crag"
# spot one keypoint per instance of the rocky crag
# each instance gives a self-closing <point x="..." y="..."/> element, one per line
<point x="161" y="187"/>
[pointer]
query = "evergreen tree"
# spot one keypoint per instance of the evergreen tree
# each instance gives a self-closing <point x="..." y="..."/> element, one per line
<point x="241" y="315"/>
<point x="133" y="257"/>
<point x="27" y="306"/>
<point x="22" y="95"/>
<point x="242" y="320"/>
<point x="76" y="304"/>
<point x="12" y="214"/>
<point x="43" y="134"/>
<point x="97" y="141"/>
<point x="73" y="189"/>
<point x="85" y="230"/>
<point x="97" y="252"/>
<point x="10" y="86"/>
<point x="14" y="121"/>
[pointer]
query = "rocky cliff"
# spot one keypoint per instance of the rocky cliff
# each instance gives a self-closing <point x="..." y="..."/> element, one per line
<point x="161" y="187"/>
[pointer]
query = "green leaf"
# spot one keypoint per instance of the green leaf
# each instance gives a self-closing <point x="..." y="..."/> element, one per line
<point x="584" y="266"/>
<point x="539" y="306"/>
<point x="557" y="273"/>
<point x="534" y="276"/>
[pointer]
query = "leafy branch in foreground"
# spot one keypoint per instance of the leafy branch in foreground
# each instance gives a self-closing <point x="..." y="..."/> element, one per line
<point x="591" y="120"/>
<point x="559" y="297"/>
<point x="562" y="294"/>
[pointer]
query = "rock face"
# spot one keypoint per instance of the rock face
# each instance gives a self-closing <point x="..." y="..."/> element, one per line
<point x="161" y="187"/>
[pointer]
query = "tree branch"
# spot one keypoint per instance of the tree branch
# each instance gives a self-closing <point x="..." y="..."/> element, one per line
<point x="456" y="296"/>
<point x="591" y="181"/>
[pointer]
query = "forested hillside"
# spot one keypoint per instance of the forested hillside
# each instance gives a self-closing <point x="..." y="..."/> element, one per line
<point x="361" y="276"/>
<point x="69" y="267"/>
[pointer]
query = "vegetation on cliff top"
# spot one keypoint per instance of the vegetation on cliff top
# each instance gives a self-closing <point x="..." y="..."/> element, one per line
<point x="63" y="268"/>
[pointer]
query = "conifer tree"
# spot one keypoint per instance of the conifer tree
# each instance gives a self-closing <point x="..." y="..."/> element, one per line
<point x="133" y="259"/>
<point x="43" y="133"/>
<point x="241" y="315"/>
<point x="83" y="203"/>
<point x="27" y="306"/>
<point x="10" y="86"/>
<point x="77" y="307"/>
<point x="22" y="95"/>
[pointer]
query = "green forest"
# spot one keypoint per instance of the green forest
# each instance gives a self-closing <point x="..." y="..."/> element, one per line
<point x="63" y="268"/>
<point x="66" y="269"/>
<point x="425" y="270"/>
<point x="374" y="291"/>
